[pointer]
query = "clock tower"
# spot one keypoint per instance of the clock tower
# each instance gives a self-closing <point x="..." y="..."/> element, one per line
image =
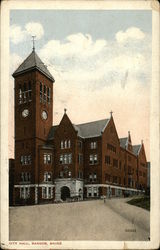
<point x="33" y="92"/>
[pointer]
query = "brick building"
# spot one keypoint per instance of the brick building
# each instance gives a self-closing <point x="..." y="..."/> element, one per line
<point x="67" y="161"/>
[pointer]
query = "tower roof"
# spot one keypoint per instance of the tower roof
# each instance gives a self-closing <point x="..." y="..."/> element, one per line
<point x="33" y="62"/>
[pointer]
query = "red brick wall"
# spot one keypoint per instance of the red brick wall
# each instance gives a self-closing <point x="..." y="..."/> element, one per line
<point x="65" y="131"/>
<point x="97" y="168"/>
<point x="32" y="131"/>
<point x="110" y="137"/>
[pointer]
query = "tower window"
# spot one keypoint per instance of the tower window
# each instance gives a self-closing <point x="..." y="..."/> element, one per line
<point x="20" y="94"/>
<point x="41" y="92"/>
<point x="24" y="87"/>
<point x="25" y="94"/>
<point x="48" y="95"/>
<point x="45" y="94"/>
<point x="29" y="92"/>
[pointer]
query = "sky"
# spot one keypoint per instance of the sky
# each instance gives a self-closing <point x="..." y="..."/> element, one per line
<point x="101" y="61"/>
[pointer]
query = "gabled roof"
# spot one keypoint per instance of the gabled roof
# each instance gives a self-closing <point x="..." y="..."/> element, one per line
<point x="33" y="62"/>
<point x="91" y="129"/>
<point x="136" y="149"/>
<point x="123" y="142"/>
<point x="85" y="130"/>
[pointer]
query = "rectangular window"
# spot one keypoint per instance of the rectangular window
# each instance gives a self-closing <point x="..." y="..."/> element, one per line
<point x="89" y="192"/>
<point x="93" y="159"/>
<point x="95" y="191"/>
<point x="25" y="192"/>
<point x="107" y="159"/>
<point x="62" y="145"/>
<point x="70" y="158"/>
<point x="47" y="193"/>
<point x="47" y="158"/>
<point x="115" y="163"/>
<point x="93" y="145"/>
<point x="95" y="176"/>
<point x="65" y="144"/>
<point x="69" y="174"/>
<point x="26" y="159"/>
<point x="61" y="159"/>
<point x="65" y="159"/>
<point x="80" y="144"/>
<point x="47" y="176"/>
<point x="80" y="159"/>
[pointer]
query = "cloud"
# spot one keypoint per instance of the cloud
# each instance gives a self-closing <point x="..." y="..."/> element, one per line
<point x="34" y="29"/>
<point x="133" y="33"/>
<point x="18" y="35"/>
<point x="75" y="45"/>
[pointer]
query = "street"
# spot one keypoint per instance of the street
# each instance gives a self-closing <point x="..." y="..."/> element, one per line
<point x="88" y="220"/>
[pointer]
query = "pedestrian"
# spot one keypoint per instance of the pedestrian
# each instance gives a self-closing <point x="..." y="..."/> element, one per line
<point x="104" y="199"/>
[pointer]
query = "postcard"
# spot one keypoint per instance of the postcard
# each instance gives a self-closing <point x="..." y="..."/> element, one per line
<point x="80" y="125"/>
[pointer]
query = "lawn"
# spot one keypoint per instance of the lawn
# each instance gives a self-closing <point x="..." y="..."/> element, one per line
<point x="143" y="202"/>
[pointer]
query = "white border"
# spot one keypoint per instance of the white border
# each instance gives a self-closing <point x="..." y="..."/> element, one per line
<point x="6" y="6"/>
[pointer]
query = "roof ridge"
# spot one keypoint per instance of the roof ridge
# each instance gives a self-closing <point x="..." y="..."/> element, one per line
<point x="90" y="122"/>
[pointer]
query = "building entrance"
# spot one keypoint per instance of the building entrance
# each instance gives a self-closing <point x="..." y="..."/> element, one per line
<point x="65" y="193"/>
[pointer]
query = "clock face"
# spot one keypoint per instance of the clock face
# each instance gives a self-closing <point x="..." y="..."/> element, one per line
<point x="25" y="113"/>
<point x="44" y="115"/>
